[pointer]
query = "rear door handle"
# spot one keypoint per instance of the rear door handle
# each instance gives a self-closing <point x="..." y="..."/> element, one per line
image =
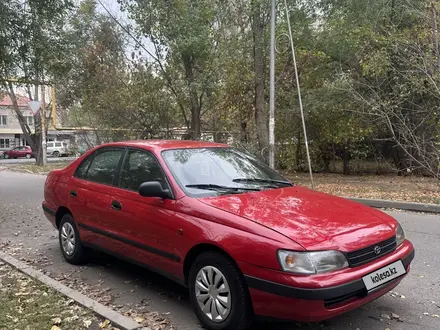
<point x="73" y="193"/>
<point x="116" y="205"/>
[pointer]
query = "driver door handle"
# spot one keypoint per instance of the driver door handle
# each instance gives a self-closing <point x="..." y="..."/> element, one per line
<point x="116" y="205"/>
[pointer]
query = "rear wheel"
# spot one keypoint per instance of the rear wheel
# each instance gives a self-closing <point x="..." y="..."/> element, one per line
<point x="219" y="294"/>
<point x="56" y="154"/>
<point x="28" y="156"/>
<point x="70" y="242"/>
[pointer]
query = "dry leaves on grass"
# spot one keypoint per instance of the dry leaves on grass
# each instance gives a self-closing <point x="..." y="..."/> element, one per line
<point x="389" y="187"/>
<point x="28" y="304"/>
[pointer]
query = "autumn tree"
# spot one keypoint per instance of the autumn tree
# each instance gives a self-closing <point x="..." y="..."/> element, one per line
<point x="30" y="49"/>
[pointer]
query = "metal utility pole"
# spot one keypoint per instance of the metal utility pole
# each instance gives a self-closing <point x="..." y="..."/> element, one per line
<point x="43" y="125"/>
<point x="272" y="87"/>
<point x="299" y="95"/>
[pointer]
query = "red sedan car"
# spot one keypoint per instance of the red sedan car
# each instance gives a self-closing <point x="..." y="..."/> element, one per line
<point x="18" y="152"/>
<point x="242" y="238"/>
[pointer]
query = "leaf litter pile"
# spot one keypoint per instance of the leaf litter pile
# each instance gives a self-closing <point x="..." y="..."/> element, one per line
<point x="389" y="187"/>
<point x="26" y="304"/>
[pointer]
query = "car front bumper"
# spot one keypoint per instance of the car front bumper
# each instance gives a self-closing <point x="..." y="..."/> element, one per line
<point x="324" y="296"/>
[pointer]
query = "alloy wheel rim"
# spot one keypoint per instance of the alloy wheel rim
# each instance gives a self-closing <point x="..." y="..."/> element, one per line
<point x="68" y="238"/>
<point x="213" y="294"/>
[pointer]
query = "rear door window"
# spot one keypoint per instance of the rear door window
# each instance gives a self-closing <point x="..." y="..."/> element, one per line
<point x="103" y="167"/>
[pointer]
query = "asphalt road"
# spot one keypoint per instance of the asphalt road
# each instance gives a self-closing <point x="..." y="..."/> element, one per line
<point x="50" y="159"/>
<point x="25" y="233"/>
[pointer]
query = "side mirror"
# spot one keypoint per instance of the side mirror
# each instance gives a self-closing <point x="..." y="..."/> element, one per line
<point x="153" y="189"/>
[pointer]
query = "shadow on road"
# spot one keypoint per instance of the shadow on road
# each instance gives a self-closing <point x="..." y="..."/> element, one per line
<point x="154" y="283"/>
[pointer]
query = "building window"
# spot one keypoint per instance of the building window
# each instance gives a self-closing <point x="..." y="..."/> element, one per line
<point x="29" y="120"/>
<point x="4" y="143"/>
<point x="3" y="120"/>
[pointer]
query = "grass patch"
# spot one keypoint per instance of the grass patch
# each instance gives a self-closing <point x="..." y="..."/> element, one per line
<point x="389" y="187"/>
<point x="27" y="304"/>
<point x="34" y="169"/>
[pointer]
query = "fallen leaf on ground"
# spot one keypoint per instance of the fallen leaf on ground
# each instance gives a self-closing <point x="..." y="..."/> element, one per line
<point x="104" y="324"/>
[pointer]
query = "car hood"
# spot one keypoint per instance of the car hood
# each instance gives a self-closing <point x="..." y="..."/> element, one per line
<point x="315" y="220"/>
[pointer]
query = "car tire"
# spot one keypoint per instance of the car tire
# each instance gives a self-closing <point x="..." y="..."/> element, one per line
<point x="56" y="154"/>
<point x="28" y="156"/>
<point x="228" y="278"/>
<point x="74" y="253"/>
<point x="6" y="156"/>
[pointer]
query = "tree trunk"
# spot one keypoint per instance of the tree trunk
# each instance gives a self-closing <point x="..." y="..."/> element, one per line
<point x="193" y="99"/>
<point x="298" y="152"/>
<point x="346" y="159"/>
<point x="243" y="132"/>
<point x="261" y="118"/>
<point x="326" y="157"/>
<point x="435" y="37"/>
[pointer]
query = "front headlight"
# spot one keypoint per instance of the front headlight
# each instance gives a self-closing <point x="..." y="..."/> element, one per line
<point x="400" y="235"/>
<point x="308" y="263"/>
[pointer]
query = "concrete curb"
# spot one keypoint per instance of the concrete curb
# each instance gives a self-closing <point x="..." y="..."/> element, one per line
<point x="407" y="206"/>
<point x="117" y="319"/>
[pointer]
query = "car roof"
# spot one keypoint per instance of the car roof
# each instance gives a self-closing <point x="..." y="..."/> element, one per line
<point x="161" y="145"/>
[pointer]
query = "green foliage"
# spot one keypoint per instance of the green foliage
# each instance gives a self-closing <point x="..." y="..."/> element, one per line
<point x="369" y="72"/>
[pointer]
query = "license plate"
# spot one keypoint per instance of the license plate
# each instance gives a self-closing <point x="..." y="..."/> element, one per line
<point x="384" y="275"/>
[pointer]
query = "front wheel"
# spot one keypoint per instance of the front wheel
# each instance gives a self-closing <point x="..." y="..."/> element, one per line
<point x="219" y="294"/>
<point x="70" y="242"/>
<point x="6" y="156"/>
<point x="56" y="154"/>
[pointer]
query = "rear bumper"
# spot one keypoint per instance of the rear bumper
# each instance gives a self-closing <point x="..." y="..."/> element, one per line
<point x="281" y="301"/>
<point x="50" y="214"/>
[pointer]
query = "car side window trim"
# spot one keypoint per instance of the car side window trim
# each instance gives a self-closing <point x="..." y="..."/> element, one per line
<point x="123" y="159"/>
<point x="91" y="158"/>
<point x="117" y="178"/>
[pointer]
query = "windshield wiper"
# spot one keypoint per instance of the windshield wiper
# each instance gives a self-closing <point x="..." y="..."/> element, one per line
<point x="216" y="187"/>
<point x="287" y="183"/>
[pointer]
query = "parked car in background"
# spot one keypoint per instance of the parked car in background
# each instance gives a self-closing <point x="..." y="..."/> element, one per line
<point x="242" y="238"/>
<point x="18" y="152"/>
<point x="57" y="149"/>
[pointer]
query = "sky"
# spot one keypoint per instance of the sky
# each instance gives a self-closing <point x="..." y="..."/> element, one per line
<point x="113" y="7"/>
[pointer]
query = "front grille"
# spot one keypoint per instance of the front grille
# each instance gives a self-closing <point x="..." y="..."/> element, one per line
<point x="365" y="255"/>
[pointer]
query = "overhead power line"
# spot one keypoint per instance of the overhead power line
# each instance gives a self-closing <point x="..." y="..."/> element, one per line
<point x="127" y="31"/>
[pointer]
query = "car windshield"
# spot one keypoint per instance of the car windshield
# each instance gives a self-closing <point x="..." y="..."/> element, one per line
<point x="214" y="171"/>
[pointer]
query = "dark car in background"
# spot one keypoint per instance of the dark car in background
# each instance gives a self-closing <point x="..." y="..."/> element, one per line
<point x="18" y="152"/>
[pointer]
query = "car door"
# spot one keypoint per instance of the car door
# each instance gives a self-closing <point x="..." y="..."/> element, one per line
<point x="15" y="153"/>
<point x="146" y="225"/>
<point x="49" y="148"/>
<point x="22" y="152"/>
<point x="11" y="153"/>
<point x="90" y="196"/>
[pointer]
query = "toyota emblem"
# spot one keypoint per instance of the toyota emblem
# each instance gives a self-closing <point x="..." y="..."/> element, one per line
<point x="377" y="249"/>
